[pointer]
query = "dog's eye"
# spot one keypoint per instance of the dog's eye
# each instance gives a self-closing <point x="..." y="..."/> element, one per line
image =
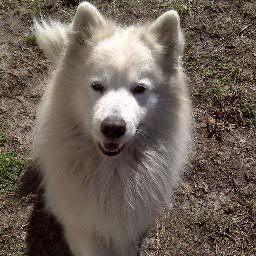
<point x="138" y="89"/>
<point x="97" y="86"/>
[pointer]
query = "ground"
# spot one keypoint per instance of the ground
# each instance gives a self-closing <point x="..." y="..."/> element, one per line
<point x="214" y="207"/>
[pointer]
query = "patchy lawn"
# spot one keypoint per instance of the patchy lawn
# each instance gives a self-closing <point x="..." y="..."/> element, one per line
<point x="11" y="165"/>
<point x="214" y="208"/>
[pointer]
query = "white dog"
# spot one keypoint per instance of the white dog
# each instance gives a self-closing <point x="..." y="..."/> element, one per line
<point x="113" y="127"/>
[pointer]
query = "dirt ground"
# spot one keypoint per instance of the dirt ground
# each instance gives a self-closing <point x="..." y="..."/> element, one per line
<point x="214" y="207"/>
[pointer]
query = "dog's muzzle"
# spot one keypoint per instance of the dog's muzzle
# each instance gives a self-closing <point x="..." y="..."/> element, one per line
<point x="112" y="128"/>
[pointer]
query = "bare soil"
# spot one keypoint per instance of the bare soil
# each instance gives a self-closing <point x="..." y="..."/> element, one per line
<point x="214" y="207"/>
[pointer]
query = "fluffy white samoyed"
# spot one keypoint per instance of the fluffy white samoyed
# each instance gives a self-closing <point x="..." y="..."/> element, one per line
<point x="113" y="127"/>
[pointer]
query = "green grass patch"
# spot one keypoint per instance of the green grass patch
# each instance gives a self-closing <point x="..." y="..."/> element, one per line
<point x="3" y="137"/>
<point x="36" y="7"/>
<point x="214" y="224"/>
<point x="251" y="205"/>
<point x="219" y="69"/>
<point x="233" y="104"/>
<point x="227" y="99"/>
<point x="128" y="3"/>
<point x="181" y="6"/>
<point x="11" y="165"/>
<point x="31" y="40"/>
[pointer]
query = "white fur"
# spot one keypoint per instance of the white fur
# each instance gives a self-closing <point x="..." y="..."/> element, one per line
<point x="52" y="36"/>
<point x="106" y="204"/>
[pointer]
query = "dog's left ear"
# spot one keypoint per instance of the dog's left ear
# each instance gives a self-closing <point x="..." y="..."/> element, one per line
<point x="168" y="32"/>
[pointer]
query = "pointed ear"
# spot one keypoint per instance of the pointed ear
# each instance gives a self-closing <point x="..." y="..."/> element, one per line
<point x="87" y="19"/>
<point x="168" y="32"/>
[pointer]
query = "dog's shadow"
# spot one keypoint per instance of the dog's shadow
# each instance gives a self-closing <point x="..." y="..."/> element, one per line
<point x="44" y="235"/>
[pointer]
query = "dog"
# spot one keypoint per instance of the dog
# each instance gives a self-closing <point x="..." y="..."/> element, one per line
<point x="113" y="127"/>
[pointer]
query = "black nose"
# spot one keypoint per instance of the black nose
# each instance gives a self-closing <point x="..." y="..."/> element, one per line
<point x="113" y="127"/>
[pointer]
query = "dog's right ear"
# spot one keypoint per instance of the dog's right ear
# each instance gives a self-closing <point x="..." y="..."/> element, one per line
<point x="87" y="19"/>
<point x="52" y="37"/>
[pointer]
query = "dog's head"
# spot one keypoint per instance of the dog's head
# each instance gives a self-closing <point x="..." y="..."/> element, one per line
<point x="119" y="75"/>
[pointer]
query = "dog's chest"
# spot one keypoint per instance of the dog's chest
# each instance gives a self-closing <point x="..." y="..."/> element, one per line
<point x="100" y="203"/>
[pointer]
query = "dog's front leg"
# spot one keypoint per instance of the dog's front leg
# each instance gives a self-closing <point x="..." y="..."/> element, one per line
<point x="133" y="251"/>
<point x="82" y="244"/>
<point x="78" y="242"/>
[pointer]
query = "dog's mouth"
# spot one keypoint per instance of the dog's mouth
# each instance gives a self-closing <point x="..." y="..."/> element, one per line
<point x="111" y="148"/>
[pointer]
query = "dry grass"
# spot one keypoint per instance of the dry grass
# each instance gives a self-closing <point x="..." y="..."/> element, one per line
<point x="214" y="209"/>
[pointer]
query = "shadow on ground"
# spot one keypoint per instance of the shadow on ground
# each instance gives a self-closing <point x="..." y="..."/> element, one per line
<point x="44" y="235"/>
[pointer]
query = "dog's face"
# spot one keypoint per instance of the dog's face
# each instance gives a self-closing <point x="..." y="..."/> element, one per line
<point x="123" y="69"/>
<point x="121" y="80"/>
